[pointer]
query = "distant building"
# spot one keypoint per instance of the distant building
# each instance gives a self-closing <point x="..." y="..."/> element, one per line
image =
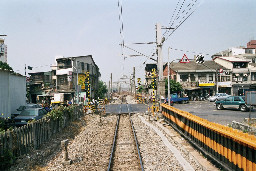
<point x="197" y="79"/>
<point x="251" y="44"/>
<point x="12" y="92"/>
<point x="40" y="86"/>
<point x="241" y="70"/>
<point x="68" y="69"/>
<point x="3" y="51"/>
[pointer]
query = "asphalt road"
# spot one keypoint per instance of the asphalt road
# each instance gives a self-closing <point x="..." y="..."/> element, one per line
<point x="125" y="108"/>
<point x="207" y="110"/>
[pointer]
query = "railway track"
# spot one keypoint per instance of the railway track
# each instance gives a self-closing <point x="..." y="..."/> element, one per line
<point x="125" y="154"/>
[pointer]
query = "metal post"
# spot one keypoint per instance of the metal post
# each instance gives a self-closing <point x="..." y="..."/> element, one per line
<point x="111" y="86"/>
<point x="249" y="119"/>
<point x="77" y="99"/>
<point x="169" y="103"/>
<point x="134" y="82"/>
<point x="217" y="81"/>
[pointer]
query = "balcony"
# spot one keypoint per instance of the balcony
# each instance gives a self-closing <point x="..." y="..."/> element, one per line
<point x="67" y="71"/>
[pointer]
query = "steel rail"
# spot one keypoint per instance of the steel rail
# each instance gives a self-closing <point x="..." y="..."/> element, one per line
<point x="137" y="143"/>
<point x="114" y="144"/>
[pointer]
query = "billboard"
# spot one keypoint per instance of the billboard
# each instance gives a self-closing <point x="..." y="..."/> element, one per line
<point x="81" y="80"/>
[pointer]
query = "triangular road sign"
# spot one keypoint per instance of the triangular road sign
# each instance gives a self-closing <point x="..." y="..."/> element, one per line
<point x="184" y="59"/>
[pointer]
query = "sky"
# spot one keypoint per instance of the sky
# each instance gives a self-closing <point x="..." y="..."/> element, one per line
<point x="39" y="31"/>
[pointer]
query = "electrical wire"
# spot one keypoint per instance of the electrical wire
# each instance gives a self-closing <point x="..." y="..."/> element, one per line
<point x="189" y="51"/>
<point x="172" y="16"/>
<point x="139" y="52"/>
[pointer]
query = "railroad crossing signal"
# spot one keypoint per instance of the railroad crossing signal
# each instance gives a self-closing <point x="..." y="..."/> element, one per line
<point x="199" y="59"/>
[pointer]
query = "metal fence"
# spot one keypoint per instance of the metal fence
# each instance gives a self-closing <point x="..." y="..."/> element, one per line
<point x="21" y="140"/>
<point x="225" y="146"/>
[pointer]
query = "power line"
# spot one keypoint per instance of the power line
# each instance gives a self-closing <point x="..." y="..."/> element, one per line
<point x="189" y="51"/>
<point x="139" y="53"/>
<point x="179" y="25"/>
<point x="172" y="16"/>
<point x="185" y="13"/>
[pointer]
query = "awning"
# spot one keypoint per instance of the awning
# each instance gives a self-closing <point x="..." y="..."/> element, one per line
<point x="240" y="70"/>
<point x="192" y="88"/>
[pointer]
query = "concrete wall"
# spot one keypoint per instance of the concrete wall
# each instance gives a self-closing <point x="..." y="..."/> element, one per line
<point x="5" y="108"/>
<point x="12" y="93"/>
<point x="224" y="63"/>
<point x="17" y="91"/>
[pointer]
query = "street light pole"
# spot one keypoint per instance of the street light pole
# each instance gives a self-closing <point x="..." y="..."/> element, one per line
<point x="169" y="103"/>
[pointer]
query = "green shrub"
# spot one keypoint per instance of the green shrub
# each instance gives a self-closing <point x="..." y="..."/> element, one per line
<point x="59" y="112"/>
<point x="6" y="159"/>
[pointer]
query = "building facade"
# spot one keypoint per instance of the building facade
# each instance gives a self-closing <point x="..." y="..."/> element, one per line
<point x="242" y="71"/>
<point x="72" y="71"/>
<point x="197" y="80"/>
<point x="3" y="51"/>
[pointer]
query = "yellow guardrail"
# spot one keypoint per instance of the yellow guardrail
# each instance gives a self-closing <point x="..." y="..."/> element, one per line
<point x="238" y="149"/>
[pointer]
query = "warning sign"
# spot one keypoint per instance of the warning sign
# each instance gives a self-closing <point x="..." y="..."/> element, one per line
<point x="184" y="59"/>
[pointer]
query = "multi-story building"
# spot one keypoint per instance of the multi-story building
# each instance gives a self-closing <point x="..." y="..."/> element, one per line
<point x="71" y="71"/>
<point x="3" y="51"/>
<point x="241" y="62"/>
<point x="40" y="87"/>
<point x="242" y="72"/>
<point x="197" y="80"/>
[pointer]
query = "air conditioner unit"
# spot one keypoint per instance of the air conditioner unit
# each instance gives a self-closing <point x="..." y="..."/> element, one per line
<point x="235" y="79"/>
<point x="245" y="75"/>
<point x="237" y="75"/>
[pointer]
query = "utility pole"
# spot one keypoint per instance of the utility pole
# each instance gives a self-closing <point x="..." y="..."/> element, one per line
<point x="134" y="82"/>
<point x="159" y="43"/>
<point x="111" y="86"/>
<point x="109" y="90"/>
<point x="169" y="100"/>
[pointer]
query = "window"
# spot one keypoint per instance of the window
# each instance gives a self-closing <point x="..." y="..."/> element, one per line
<point x="184" y="77"/>
<point x="192" y="77"/>
<point x="239" y="65"/>
<point x="253" y="76"/>
<point x="211" y="77"/>
<point x="202" y="77"/>
<point x="229" y="99"/>
<point x="82" y="65"/>
<point x="237" y="99"/>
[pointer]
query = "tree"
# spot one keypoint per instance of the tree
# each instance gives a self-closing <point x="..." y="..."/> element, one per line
<point x="175" y="87"/>
<point x="102" y="90"/>
<point x="5" y="66"/>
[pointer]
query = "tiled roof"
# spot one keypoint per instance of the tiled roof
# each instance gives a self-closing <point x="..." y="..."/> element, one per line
<point x="192" y="65"/>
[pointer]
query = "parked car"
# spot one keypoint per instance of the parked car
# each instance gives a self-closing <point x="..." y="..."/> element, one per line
<point x="175" y="98"/>
<point x="235" y="102"/>
<point x="21" y="108"/>
<point x="218" y="96"/>
<point x="28" y="115"/>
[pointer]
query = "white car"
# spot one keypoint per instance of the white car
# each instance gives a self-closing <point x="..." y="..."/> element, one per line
<point x="218" y="96"/>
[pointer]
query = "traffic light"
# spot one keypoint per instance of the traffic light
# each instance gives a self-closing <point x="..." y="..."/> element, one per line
<point x="199" y="59"/>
